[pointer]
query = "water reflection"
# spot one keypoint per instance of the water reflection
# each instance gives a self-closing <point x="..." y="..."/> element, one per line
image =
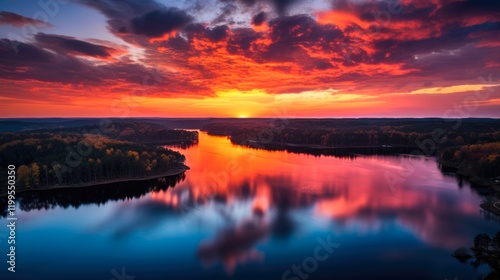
<point x="101" y="194"/>
<point x="338" y="190"/>
<point x="243" y="206"/>
<point x="235" y="244"/>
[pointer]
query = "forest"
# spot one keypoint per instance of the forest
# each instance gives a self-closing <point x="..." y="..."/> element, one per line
<point x="358" y="132"/>
<point x="90" y="155"/>
<point x="136" y="131"/>
<point x="481" y="160"/>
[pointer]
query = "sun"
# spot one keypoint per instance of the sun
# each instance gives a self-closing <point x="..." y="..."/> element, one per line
<point x="242" y="116"/>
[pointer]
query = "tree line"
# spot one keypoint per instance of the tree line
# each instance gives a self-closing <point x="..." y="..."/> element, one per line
<point x="46" y="159"/>
<point x="137" y="132"/>
<point x="358" y="132"/>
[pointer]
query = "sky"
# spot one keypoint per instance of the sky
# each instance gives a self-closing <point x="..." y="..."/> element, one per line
<point x="250" y="58"/>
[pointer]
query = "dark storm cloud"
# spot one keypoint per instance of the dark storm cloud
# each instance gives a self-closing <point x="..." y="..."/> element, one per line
<point x="279" y="6"/>
<point x="32" y="62"/>
<point x="217" y="33"/>
<point x="287" y="40"/>
<point x="291" y="35"/>
<point x="119" y="13"/>
<point x="19" y="20"/>
<point x="122" y="30"/>
<point x="25" y="53"/>
<point x="259" y="18"/>
<point x="302" y="29"/>
<point x="406" y="50"/>
<point x="470" y="8"/>
<point x="160" y="22"/>
<point x="408" y="32"/>
<point x="241" y="40"/>
<point x="70" y="45"/>
<point x="118" y="9"/>
<point x="42" y="65"/>
<point x="197" y="30"/>
<point x="282" y="5"/>
<point x="461" y="64"/>
<point x="425" y="12"/>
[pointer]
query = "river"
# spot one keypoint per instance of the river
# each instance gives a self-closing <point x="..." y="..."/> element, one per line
<point x="242" y="213"/>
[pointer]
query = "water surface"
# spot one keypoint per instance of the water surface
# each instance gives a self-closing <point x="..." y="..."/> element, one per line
<point x="243" y="213"/>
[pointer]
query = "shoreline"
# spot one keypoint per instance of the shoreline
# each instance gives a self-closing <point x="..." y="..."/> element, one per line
<point x="320" y="147"/>
<point x="174" y="172"/>
<point x="490" y="207"/>
<point x="475" y="181"/>
<point x="472" y="178"/>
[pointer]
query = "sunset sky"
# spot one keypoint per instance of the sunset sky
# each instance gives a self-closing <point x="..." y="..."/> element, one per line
<point x="250" y="58"/>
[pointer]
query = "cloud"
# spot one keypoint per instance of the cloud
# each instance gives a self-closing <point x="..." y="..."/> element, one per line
<point x="119" y="13"/>
<point x="14" y="19"/>
<point x="218" y="33"/>
<point x="226" y="11"/>
<point x="292" y="37"/>
<point x="470" y="8"/>
<point x="282" y="5"/>
<point x="241" y="40"/>
<point x="453" y="89"/>
<point x="28" y="61"/>
<point x="259" y="18"/>
<point x="157" y="23"/>
<point x="361" y="48"/>
<point x="33" y="62"/>
<point x="71" y="45"/>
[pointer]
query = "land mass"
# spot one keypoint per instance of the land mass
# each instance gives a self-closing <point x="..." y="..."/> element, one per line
<point x="91" y="155"/>
<point x="173" y="172"/>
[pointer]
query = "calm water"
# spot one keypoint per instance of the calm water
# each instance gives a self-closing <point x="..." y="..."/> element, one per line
<point x="241" y="213"/>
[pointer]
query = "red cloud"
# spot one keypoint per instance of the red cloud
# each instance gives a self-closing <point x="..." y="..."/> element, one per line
<point x="14" y="19"/>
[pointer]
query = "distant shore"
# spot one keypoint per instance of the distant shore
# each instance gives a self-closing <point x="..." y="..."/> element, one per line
<point x="315" y="146"/>
<point x="173" y="172"/>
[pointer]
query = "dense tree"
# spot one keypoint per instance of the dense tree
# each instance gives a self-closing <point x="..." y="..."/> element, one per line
<point x="23" y="176"/>
<point x="362" y="132"/>
<point x="35" y="174"/>
<point x="482" y="160"/>
<point x="482" y="242"/>
<point x="70" y="158"/>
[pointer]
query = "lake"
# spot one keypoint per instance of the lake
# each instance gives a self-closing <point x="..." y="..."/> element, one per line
<point x="242" y="213"/>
